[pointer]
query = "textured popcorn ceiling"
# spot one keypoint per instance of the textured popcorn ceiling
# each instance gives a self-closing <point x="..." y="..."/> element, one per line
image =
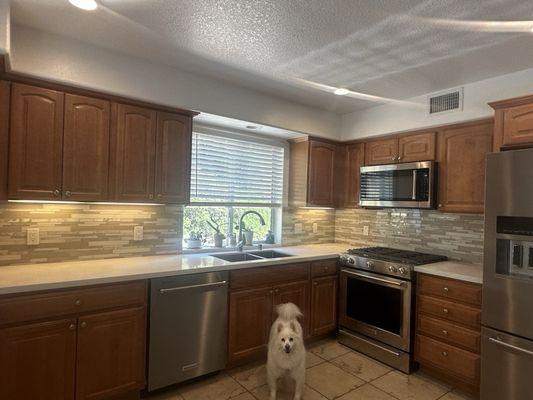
<point x="386" y="48"/>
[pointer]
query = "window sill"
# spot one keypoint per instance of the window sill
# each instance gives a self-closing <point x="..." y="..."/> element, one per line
<point x="228" y="249"/>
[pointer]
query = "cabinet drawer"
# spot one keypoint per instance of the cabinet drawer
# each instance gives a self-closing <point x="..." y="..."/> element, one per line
<point x="461" y="364"/>
<point x="264" y="276"/>
<point x="324" y="268"/>
<point x="62" y="302"/>
<point x="450" y="333"/>
<point x="450" y="311"/>
<point x="450" y="289"/>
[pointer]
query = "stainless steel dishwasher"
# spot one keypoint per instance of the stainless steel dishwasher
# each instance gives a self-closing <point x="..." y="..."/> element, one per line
<point x="188" y="327"/>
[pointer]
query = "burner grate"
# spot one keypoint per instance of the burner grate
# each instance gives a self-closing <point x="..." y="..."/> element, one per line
<point x="397" y="255"/>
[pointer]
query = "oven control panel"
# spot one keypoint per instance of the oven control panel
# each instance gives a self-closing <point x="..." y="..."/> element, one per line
<point x="382" y="267"/>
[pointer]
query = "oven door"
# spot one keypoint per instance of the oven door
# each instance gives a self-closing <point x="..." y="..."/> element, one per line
<point x="377" y="306"/>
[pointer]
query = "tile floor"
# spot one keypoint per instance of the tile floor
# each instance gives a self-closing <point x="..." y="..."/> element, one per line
<point x="333" y="372"/>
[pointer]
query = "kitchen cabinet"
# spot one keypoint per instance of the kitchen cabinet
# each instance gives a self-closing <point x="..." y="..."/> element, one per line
<point x="86" y="343"/>
<point x="5" y="94"/>
<point x="86" y="149"/>
<point x="408" y="147"/>
<point x="312" y="173"/>
<point x="513" y="122"/>
<point x="36" y="143"/>
<point x="324" y="305"/>
<point x="351" y="158"/>
<point x="462" y="152"/>
<point x="448" y="324"/>
<point x="297" y="293"/>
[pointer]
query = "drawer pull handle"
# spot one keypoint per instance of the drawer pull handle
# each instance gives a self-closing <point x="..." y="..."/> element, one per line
<point x="444" y="354"/>
<point x="83" y="324"/>
<point x="445" y="310"/>
<point x="446" y="289"/>
<point x="72" y="327"/>
<point x="77" y="303"/>
<point x="445" y="332"/>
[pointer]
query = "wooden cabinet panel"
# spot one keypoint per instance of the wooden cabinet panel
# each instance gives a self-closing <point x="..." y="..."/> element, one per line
<point x="111" y="353"/>
<point x="268" y="276"/>
<point x="449" y="333"/>
<point x="381" y="151"/>
<point x="450" y="288"/>
<point x="86" y="149"/>
<point x="320" y="190"/>
<point x="324" y="268"/>
<point x="5" y="92"/>
<point x="135" y="154"/>
<point x="351" y="159"/>
<point x="38" y="361"/>
<point x="297" y="293"/>
<point x="173" y="158"/>
<point x="450" y="311"/>
<point x="518" y="125"/>
<point x="462" y="154"/>
<point x="250" y="318"/>
<point x="324" y="305"/>
<point x="419" y="147"/>
<point x="36" y="143"/>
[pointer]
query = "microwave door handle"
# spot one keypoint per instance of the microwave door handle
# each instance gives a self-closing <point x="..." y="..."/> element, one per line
<point x="414" y="184"/>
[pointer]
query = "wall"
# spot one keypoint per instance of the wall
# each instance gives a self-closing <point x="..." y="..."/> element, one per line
<point x="5" y="27"/>
<point x="325" y="219"/>
<point x="458" y="236"/>
<point x="411" y="114"/>
<point x="68" y="61"/>
<point x="82" y="231"/>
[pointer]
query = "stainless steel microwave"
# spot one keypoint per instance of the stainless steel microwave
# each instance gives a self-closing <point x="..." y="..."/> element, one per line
<point x="407" y="185"/>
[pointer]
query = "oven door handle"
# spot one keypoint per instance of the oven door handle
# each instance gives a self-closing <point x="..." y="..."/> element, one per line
<point x="375" y="278"/>
<point x="414" y="184"/>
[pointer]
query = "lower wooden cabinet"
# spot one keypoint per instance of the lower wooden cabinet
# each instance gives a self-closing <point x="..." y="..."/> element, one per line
<point x="73" y="355"/>
<point x="324" y="305"/>
<point x="297" y="293"/>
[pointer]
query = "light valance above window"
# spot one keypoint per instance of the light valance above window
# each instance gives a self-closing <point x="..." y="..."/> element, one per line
<point x="227" y="170"/>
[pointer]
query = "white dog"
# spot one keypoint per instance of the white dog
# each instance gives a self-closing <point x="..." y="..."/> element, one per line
<point x="286" y="350"/>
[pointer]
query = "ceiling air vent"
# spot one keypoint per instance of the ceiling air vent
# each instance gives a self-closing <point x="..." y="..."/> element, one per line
<point x="445" y="102"/>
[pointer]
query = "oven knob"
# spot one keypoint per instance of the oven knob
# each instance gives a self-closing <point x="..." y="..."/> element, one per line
<point x="402" y="270"/>
<point x="370" y="264"/>
<point x="392" y="268"/>
<point x="351" y="260"/>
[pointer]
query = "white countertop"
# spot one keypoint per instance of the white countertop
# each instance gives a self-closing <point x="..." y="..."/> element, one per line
<point x="454" y="270"/>
<point x="34" y="277"/>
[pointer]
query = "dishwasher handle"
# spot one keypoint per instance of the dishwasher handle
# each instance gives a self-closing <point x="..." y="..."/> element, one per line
<point x="203" y="285"/>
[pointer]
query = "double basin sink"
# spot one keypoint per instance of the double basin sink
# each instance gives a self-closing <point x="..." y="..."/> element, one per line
<point x="250" y="256"/>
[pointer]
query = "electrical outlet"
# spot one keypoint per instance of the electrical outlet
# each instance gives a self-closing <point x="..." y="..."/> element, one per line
<point x="298" y="228"/>
<point x="366" y="230"/>
<point x="315" y="227"/>
<point x="138" y="233"/>
<point x="32" y="236"/>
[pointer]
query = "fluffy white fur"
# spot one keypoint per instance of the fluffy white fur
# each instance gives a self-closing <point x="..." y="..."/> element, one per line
<point x="286" y="350"/>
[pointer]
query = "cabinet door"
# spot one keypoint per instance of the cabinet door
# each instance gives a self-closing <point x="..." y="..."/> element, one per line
<point x="381" y="152"/>
<point x="37" y="361"/>
<point x="297" y="293"/>
<point x="250" y="317"/>
<point x="419" y="147"/>
<point x="462" y="167"/>
<point x="5" y="92"/>
<point x="323" y="305"/>
<point x="86" y="149"/>
<point x="173" y="158"/>
<point x="352" y="158"/>
<point x="36" y="143"/>
<point x="320" y="190"/>
<point x="135" y="154"/>
<point x="111" y="353"/>
<point x="518" y="125"/>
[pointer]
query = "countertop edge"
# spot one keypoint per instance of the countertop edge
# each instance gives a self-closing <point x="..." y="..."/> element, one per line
<point x="472" y="273"/>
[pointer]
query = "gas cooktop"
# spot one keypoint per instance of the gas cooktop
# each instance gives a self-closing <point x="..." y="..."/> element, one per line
<point x="396" y="255"/>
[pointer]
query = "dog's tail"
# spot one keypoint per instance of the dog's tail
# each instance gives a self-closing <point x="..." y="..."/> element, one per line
<point x="288" y="311"/>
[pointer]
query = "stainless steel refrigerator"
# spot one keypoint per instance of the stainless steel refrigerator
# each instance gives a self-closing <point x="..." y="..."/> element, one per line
<point x="507" y="332"/>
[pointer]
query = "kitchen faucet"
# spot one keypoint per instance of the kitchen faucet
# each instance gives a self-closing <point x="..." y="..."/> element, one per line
<point x="240" y="244"/>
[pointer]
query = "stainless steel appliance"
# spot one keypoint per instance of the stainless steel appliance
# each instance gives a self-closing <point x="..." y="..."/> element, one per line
<point x="507" y="314"/>
<point x="376" y="302"/>
<point x="407" y="185"/>
<point x="188" y="327"/>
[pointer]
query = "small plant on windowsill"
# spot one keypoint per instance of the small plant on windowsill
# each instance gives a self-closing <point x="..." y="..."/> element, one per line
<point x="247" y="235"/>
<point x="194" y="241"/>
<point x="218" y="237"/>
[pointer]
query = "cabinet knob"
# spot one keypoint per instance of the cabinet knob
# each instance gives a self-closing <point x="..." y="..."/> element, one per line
<point x="399" y="158"/>
<point x="440" y="205"/>
<point x="68" y="193"/>
<point x="72" y="327"/>
<point x="57" y="193"/>
<point x="77" y="303"/>
<point x="445" y="311"/>
<point x="83" y="324"/>
<point x="444" y="354"/>
<point x="315" y="283"/>
<point x="276" y="290"/>
<point x="271" y="291"/>
<point x="393" y="158"/>
<point x="445" y="332"/>
<point x="446" y="289"/>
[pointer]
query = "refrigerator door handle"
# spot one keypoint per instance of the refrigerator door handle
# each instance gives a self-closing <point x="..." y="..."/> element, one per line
<point x="511" y="347"/>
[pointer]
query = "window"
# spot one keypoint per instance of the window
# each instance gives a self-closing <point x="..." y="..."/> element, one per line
<point x="229" y="176"/>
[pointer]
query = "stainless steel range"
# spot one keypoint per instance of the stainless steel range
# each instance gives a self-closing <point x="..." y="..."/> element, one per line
<point x="377" y="302"/>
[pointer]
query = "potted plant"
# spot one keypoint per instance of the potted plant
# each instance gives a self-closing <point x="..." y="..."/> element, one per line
<point x="248" y="235"/>
<point x="218" y="236"/>
<point x="194" y="241"/>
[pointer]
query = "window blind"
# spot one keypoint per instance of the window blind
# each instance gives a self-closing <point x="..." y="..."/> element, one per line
<point x="235" y="171"/>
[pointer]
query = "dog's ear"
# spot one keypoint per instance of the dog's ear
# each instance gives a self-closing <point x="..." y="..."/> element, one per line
<point x="280" y="327"/>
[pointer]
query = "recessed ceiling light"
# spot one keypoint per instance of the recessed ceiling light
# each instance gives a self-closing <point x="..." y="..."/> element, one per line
<point x="88" y="5"/>
<point x="341" y="91"/>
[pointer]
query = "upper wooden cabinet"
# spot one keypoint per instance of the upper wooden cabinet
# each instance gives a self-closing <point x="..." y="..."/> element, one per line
<point x="513" y="122"/>
<point x="462" y="153"/>
<point x="312" y="173"/>
<point x="351" y="157"/>
<point x="86" y="148"/>
<point x="36" y="143"/>
<point x="408" y="147"/>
